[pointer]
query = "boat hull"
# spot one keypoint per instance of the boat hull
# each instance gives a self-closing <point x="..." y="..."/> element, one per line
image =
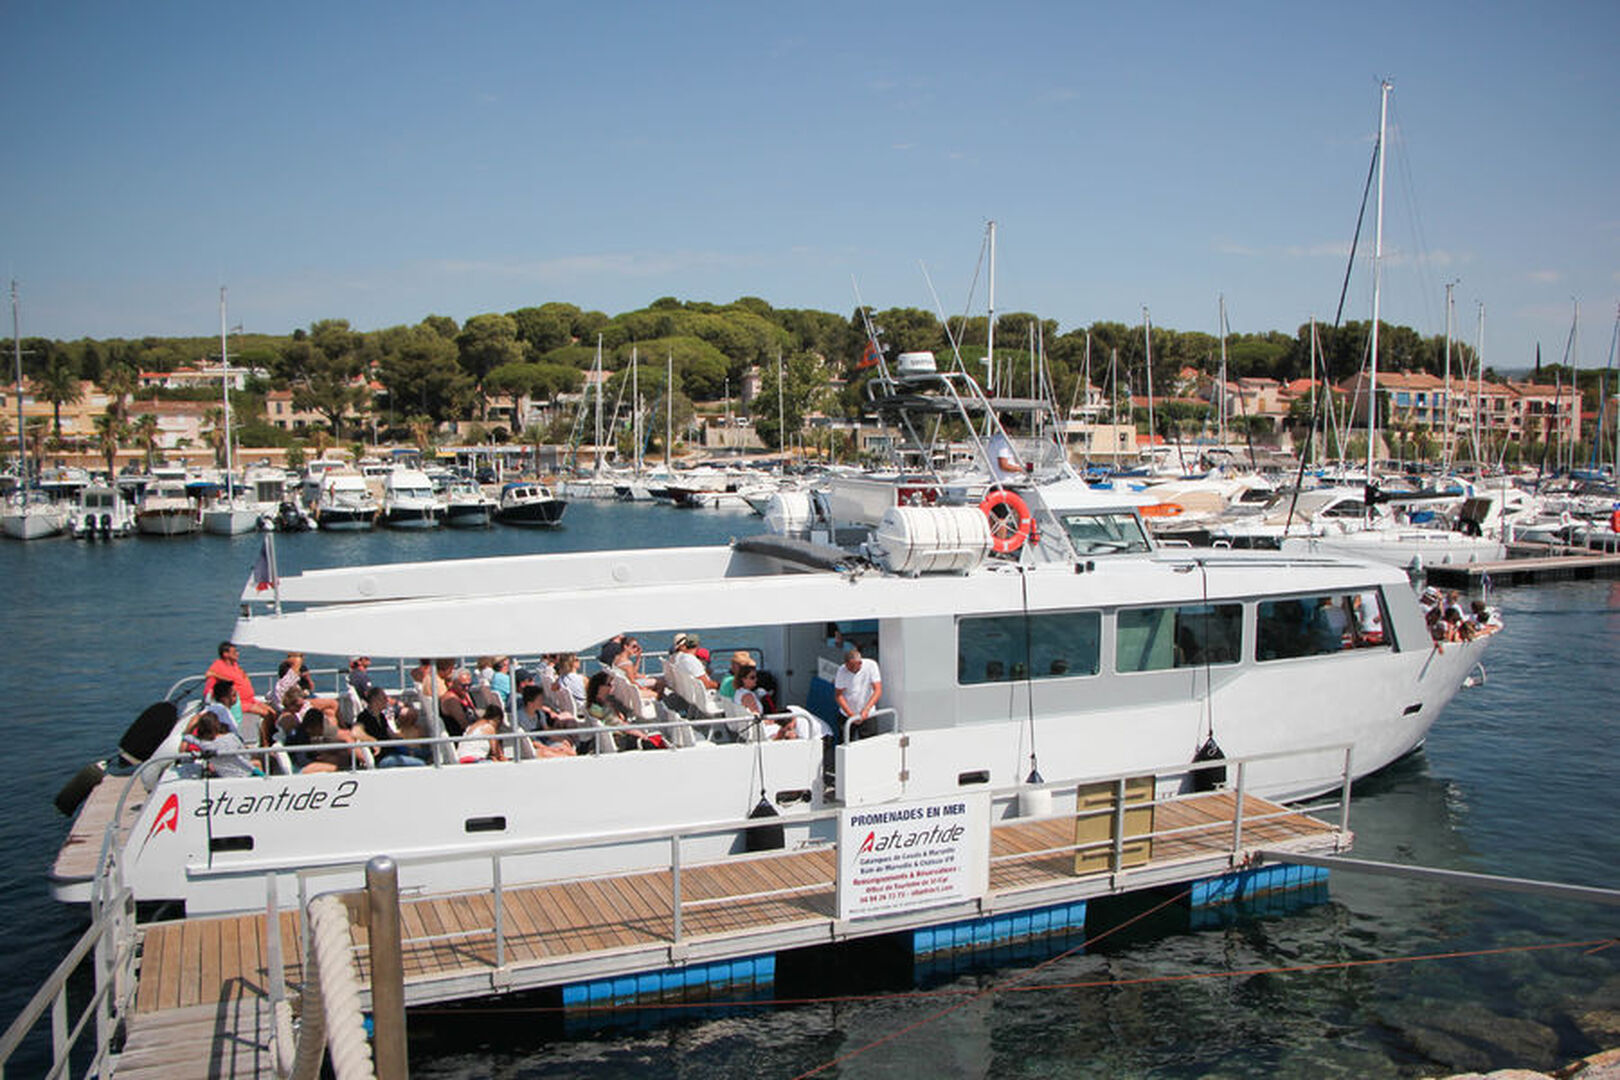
<point x="166" y="522"/>
<point x="541" y="514"/>
<point x="33" y="524"/>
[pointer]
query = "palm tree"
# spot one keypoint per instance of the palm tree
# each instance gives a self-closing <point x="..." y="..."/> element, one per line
<point x="146" y="434"/>
<point x="215" y="418"/>
<point x="421" y="428"/>
<point x="110" y="431"/>
<point x="118" y="383"/>
<point x="60" y="386"/>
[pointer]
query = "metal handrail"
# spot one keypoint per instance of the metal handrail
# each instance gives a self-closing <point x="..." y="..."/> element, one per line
<point x="849" y="722"/>
<point x="115" y="921"/>
<point x="676" y="835"/>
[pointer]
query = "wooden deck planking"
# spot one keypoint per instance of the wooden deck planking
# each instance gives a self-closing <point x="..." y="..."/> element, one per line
<point x="200" y="1003"/>
<point x="78" y="854"/>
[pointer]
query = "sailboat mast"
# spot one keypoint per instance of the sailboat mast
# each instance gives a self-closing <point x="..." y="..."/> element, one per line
<point x="669" y="409"/>
<point x="990" y="328"/>
<point x="1378" y="266"/>
<point x="596" y="462"/>
<point x="1479" y="381"/>
<point x="1147" y="340"/>
<point x="16" y="349"/>
<point x="781" y="416"/>
<point x="635" y="408"/>
<point x="225" y="393"/>
<point x="1445" y="434"/>
<point x="1221" y="410"/>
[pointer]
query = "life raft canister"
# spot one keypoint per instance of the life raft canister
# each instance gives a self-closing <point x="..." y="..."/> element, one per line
<point x="1614" y="520"/>
<point x="1011" y="523"/>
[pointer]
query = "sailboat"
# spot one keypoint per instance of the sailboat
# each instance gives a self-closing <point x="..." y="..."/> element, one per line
<point x="235" y="512"/>
<point x="29" y="515"/>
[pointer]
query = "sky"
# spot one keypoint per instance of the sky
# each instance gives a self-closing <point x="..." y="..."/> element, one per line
<point x="383" y="162"/>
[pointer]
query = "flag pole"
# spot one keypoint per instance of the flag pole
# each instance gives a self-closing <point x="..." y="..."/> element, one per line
<point x="275" y="575"/>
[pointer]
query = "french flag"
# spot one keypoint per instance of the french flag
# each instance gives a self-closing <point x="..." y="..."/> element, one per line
<point x="262" y="577"/>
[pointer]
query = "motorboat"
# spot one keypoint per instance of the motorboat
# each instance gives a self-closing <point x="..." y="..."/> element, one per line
<point x="31" y="516"/>
<point x="1030" y="642"/>
<point x="346" y="502"/>
<point x="232" y="514"/>
<point x="408" y="500"/>
<point x="102" y="513"/>
<point x="166" y="508"/>
<point x="466" y="506"/>
<point x="529" y="503"/>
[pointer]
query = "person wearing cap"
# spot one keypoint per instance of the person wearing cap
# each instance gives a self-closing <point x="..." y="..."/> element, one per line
<point x="683" y="654"/>
<point x="359" y="680"/>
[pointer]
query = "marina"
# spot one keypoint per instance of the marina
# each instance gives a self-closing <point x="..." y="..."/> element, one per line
<point x="1376" y="834"/>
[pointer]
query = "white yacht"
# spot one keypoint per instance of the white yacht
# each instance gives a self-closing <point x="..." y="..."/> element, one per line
<point x="466" y="506"/>
<point x="408" y="500"/>
<point x="165" y="507"/>
<point x="31" y="516"/>
<point x="102" y="513"/>
<point x="1032" y="642"/>
<point x="345" y="502"/>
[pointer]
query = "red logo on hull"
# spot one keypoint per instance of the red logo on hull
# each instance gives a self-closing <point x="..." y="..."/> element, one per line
<point x="168" y="818"/>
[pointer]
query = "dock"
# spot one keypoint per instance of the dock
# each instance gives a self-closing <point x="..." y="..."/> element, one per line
<point x="202" y="1003"/>
<point x="1527" y="564"/>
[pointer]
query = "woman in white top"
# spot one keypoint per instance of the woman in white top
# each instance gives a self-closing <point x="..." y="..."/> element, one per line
<point x="747" y="695"/>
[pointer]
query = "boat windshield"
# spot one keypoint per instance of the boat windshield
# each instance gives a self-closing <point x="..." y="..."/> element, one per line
<point x="1106" y="533"/>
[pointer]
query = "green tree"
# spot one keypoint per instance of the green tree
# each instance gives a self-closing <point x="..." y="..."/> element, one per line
<point x="803" y="385"/>
<point x="420" y="370"/>
<point x="111" y="432"/>
<point x="59" y="384"/>
<point x="485" y="343"/>
<point x="145" y="430"/>
<point x="118" y="381"/>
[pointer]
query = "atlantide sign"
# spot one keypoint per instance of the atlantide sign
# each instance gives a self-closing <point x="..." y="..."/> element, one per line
<point x="909" y="856"/>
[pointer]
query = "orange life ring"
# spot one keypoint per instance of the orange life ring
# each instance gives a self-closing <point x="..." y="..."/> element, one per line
<point x="1011" y="523"/>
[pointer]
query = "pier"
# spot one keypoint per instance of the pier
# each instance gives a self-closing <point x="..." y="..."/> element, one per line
<point x="1527" y="564"/>
<point x="201" y="995"/>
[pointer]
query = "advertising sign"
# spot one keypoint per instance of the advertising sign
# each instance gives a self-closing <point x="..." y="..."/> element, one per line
<point x="910" y="856"/>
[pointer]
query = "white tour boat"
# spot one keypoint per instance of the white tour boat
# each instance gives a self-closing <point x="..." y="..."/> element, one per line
<point x="1035" y="641"/>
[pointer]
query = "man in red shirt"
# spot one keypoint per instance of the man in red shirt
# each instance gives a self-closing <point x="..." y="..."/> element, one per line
<point x="228" y="668"/>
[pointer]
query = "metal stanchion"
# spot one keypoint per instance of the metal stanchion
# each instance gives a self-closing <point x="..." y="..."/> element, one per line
<point x="387" y="969"/>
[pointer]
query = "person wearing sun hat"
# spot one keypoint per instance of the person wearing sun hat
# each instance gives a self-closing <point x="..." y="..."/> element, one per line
<point x="740" y="659"/>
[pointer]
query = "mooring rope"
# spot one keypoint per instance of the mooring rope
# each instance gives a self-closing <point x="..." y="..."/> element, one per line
<point x="331" y="1009"/>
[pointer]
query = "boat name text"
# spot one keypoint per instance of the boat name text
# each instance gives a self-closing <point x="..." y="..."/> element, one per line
<point x="228" y="803"/>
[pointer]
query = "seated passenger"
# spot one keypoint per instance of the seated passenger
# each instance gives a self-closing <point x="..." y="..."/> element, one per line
<point x="294" y="672"/>
<point x="471" y="750"/>
<point x="359" y="676"/>
<point x="394" y="757"/>
<point x="221" y="705"/>
<point x="535" y="717"/>
<point x="312" y="731"/>
<point x="739" y="660"/>
<point x="569" y="678"/>
<point x="683" y="654"/>
<point x="228" y="666"/>
<point x="749" y="697"/>
<point x="372" y="721"/>
<point x="605" y="710"/>
<point x="456" y="709"/>
<point x="222" y="748"/>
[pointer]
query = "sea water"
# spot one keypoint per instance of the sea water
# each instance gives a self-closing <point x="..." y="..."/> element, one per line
<point x="1371" y="977"/>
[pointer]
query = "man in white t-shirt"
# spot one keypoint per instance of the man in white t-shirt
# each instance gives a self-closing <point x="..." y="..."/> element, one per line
<point x="858" y="688"/>
<point x="683" y="654"/>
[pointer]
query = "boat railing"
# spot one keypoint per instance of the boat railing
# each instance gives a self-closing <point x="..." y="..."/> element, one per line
<point x="108" y="945"/>
<point x="882" y="720"/>
<point x="1122" y="832"/>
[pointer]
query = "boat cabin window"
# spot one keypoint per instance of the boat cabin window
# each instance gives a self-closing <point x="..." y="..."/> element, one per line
<point x="1058" y="645"/>
<point x="1318" y="625"/>
<point x="1160" y="638"/>
<point x="1105" y="534"/>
